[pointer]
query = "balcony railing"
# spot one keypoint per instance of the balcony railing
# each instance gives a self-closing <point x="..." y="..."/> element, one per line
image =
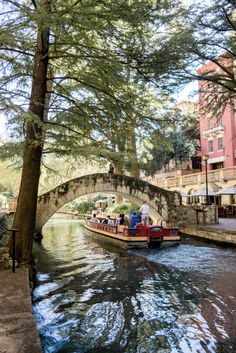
<point x="190" y="179"/>
<point x="218" y="130"/>
<point x="197" y="178"/>
<point x="229" y="173"/>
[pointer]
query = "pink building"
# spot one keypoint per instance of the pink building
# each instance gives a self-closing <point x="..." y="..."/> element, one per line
<point x="217" y="126"/>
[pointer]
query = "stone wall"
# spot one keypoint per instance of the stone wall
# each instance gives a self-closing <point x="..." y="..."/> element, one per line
<point x="195" y="214"/>
<point x="5" y="260"/>
<point x="223" y="236"/>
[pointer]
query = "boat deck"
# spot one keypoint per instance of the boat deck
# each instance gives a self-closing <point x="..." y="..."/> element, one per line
<point x="136" y="237"/>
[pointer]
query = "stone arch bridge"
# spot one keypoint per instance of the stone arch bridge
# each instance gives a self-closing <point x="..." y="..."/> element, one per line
<point x="162" y="202"/>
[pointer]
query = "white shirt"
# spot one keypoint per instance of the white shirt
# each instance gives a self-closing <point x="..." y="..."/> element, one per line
<point x="144" y="209"/>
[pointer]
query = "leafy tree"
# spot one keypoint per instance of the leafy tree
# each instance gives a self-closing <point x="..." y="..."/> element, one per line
<point x="57" y="57"/>
<point x="207" y="35"/>
<point x="214" y="41"/>
<point x="10" y="179"/>
<point x="83" y="206"/>
<point x="178" y="144"/>
<point x="125" y="208"/>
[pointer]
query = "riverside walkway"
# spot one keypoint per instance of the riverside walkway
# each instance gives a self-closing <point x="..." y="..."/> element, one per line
<point x="223" y="232"/>
<point x="224" y="223"/>
<point x="18" y="331"/>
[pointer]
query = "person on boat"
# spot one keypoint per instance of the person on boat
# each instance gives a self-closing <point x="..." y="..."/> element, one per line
<point x="144" y="210"/>
<point x="94" y="218"/>
<point x="126" y="221"/>
<point x="110" y="221"/>
<point x="122" y="219"/>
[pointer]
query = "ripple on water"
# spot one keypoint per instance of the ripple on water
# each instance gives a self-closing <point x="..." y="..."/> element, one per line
<point x="95" y="300"/>
<point x="194" y="258"/>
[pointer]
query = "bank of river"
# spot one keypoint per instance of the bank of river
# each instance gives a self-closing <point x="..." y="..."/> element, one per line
<point x="94" y="297"/>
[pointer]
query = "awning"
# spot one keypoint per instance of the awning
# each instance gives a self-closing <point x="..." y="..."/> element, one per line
<point x="227" y="191"/>
<point x="202" y="192"/>
<point x="212" y="190"/>
<point x="216" y="160"/>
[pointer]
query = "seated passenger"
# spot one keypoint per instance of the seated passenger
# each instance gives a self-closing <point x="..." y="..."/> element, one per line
<point x="94" y="219"/>
<point x="126" y="222"/>
<point x="117" y="221"/>
<point x="122" y="219"/>
<point x="110" y="221"/>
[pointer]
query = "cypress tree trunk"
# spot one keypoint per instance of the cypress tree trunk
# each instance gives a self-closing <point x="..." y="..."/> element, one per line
<point x="132" y="152"/>
<point x="27" y="201"/>
<point x="118" y="170"/>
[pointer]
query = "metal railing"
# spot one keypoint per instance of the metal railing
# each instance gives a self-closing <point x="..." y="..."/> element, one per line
<point x="14" y="231"/>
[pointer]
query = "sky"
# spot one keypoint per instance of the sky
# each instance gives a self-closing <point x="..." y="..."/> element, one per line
<point x="2" y="125"/>
<point x="185" y="94"/>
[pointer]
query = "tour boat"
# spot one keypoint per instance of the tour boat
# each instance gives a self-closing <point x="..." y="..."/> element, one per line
<point x="135" y="235"/>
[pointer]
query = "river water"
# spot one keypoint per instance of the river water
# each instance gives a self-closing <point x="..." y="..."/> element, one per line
<point x="96" y="298"/>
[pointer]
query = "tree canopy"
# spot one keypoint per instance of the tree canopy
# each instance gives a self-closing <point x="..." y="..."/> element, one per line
<point x="206" y="35"/>
<point x="176" y="144"/>
<point x="78" y="77"/>
<point x="65" y="66"/>
<point x="97" y="53"/>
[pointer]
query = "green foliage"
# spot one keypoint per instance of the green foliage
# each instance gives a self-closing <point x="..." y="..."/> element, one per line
<point x="96" y="198"/>
<point x="10" y="179"/>
<point x="206" y="35"/>
<point x="5" y="223"/>
<point x="125" y="208"/>
<point x="181" y="143"/>
<point x="102" y="55"/>
<point x="83" y="206"/>
<point x="98" y="61"/>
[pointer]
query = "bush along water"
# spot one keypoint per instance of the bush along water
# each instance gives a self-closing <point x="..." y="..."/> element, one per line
<point x="126" y="209"/>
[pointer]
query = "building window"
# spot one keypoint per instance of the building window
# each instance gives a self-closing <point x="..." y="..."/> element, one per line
<point x="209" y="122"/>
<point x="210" y="146"/>
<point x="220" y="143"/>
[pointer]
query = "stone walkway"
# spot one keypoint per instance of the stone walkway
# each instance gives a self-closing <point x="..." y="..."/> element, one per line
<point x="18" y="331"/>
<point x="224" y="223"/>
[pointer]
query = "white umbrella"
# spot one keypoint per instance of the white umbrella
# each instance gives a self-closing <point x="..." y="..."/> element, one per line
<point x="231" y="190"/>
<point x="212" y="190"/>
<point x="202" y="192"/>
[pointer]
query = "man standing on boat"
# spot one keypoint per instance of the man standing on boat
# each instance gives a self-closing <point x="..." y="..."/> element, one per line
<point x="144" y="210"/>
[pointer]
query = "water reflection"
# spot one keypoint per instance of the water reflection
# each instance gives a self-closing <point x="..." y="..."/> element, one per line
<point x="93" y="297"/>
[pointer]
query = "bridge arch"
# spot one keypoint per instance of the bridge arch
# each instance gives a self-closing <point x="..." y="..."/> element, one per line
<point x="161" y="201"/>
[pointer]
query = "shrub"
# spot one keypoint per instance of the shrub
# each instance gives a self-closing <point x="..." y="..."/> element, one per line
<point x="84" y="206"/>
<point x="125" y="208"/>
<point x="5" y="223"/>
